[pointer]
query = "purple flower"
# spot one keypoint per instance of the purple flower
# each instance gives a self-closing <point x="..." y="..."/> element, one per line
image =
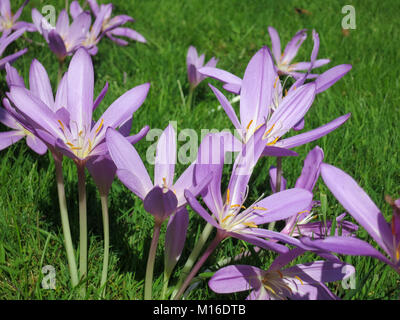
<point x="110" y="25"/>
<point x="164" y="196"/>
<point x="65" y="123"/>
<point x="63" y="39"/>
<point x="194" y="62"/>
<point x="299" y="282"/>
<point x="284" y="60"/>
<point x="9" y="21"/>
<point x="354" y="199"/>
<point x="12" y="119"/>
<point x="261" y="101"/>
<point x="5" y="40"/>
<point x="229" y="216"/>
<point x="300" y="224"/>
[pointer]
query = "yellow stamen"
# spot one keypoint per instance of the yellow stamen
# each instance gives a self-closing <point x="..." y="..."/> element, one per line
<point x="273" y="142"/>
<point x="227" y="196"/>
<point x="80" y="133"/>
<point x="70" y="144"/>
<point x="238" y="206"/>
<point x="226" y="218"/>
<point x="250" y="224"/>
<point x="164" y="182"/>
<point x="298" y="278"/>
<point x="286" y="92"/>
<point x="76" y="148"/>
<point x="90" y="145"/>
<point x="248" y="126"/>
<point x="61" y="124"/>
<point x="100" y="126"/>
<point x="260" y="208"/>
<point x="304" y="211"/>
<point x="269" y="130"/>
<point x="270" y="289"/>
<point x="276" y="80"/>
<point x="294" y="88"/>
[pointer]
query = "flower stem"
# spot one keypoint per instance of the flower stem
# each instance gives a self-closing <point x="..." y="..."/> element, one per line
<point x="278" y="184"/>
<point x="218" y="238"/>
<point x="193" y="256"/>
<point x="165" y="285"/>
<point x="83" y="246"/>
<point x="190" y="99"/>
<point x="106" y="230"/>
<point x="148" y="284"/>
<point x="73" y="271"/>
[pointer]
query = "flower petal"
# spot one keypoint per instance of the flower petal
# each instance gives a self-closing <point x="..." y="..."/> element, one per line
<point x="236" y="278"/>
<point x="357" y="203"/>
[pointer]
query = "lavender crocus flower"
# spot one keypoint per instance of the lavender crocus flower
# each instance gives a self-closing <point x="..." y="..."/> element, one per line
<point x="5" y="41"/>
<point x="65" y="123"/>
<point x="230" y="217"/>
<point x="284" y="60"/>
<point x="354" y="199"/>
<point x="10" y="118"/>
<point x="299" y="282"/>
<point x="110" y="25"/>
<point x="63" y="39"/>
<point x="164" y="196"/>
<point x="194" y="62"/>
<point x="9" y="21"/>
<point x="261" y="101"/>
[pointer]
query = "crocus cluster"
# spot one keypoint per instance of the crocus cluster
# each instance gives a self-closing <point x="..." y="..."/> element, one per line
<point x="64" y="38"/>
<point x="274" y="100"/>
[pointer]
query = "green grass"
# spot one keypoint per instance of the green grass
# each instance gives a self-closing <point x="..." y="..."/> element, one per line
<point x="365" y="147"/>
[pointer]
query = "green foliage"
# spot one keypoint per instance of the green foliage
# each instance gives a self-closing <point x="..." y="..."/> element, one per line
<point x="231" y="30"/>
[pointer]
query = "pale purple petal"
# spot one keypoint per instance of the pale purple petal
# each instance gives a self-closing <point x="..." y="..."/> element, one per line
<point x="62" y="25"/>
<point x="122" y="109"/>
<point x="80" y="89"/>
<point x="275" y="43"/>
<point x="8" y="138"/>
<point x="257" y="90"/>
<point x="272" y="180"/>
<point x="100" y="97"/>
<point x="175" y="238"/>
<point x="57" y="45"/>
<point x="165" y="160"/>
<point x="75" y="9"/>
<point x="160" y="203"/>
<point x="227" y="107"/>
<point x="312" y="135"/>
<point x="293" y="46"/>
<point x="129" y="33"/>
<point x="39" y="83"/>
<point x="103" y="171"/>
<point x="259" y="242"/>
<point x="126" y="157"/>
<point x="281" y="205"/>
<point x="36" y="144"/>
<point x="331" y="76"/>
<point x="346" y="245"/>
<point x="357" y="203"/>
<point x="12" y="57"/>
<point x="236" y="278"/>
<point x="197" y="207"/>
<point x="13" y="78"/>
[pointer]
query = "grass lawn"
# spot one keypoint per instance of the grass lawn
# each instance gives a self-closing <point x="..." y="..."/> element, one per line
<point x="231" y="30"/>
